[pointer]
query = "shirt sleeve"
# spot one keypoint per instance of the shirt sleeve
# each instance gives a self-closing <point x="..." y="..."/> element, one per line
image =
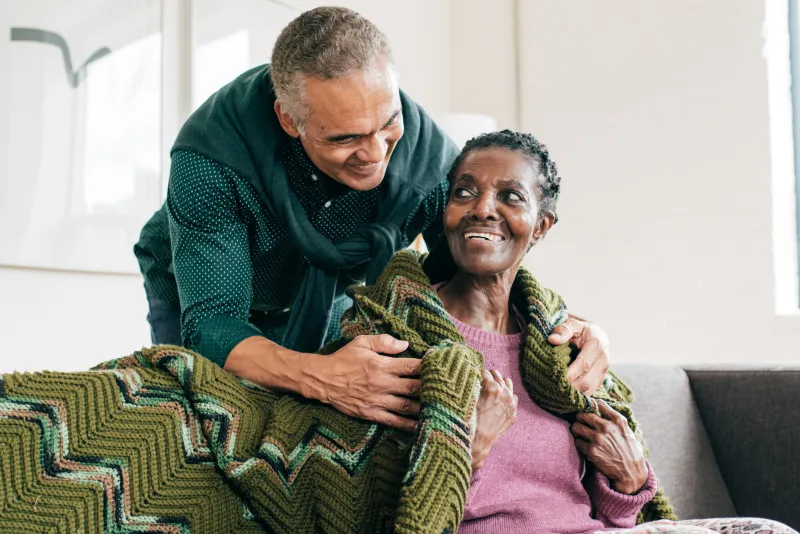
<point x="427" y="219"/>
<point x="211" y="256"/>
<point x="615" y="509"/>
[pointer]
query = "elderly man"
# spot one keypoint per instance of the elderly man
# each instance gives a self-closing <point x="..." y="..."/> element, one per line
<point x="294" y="181"/>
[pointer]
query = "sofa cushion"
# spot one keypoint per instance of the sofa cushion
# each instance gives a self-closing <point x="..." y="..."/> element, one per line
<point x="753" y="423"/>
<point x="680" y="451"/>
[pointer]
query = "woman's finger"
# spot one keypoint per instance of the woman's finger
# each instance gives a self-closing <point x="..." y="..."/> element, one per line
<point x="509" y="384"/>
<point x="591" y="420"/>
<point x="582" y="446"/>
<point x="606" y="410"/>
<point x="579" y="430"/>
<point x="497" y="376"/>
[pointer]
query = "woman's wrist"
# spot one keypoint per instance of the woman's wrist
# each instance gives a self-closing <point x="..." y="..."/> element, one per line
<point x="633" y="481"/>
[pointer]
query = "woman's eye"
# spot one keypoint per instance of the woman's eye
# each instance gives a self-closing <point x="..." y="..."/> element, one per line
<point x="344" y="142"/>
<point x="513" y="196"/>
<point x="460" y="192"/>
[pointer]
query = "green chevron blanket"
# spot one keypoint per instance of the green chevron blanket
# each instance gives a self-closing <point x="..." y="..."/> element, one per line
<point x="165" y="441"/>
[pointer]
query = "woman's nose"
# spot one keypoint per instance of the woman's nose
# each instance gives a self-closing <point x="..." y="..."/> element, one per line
<point x="484" y="208"/>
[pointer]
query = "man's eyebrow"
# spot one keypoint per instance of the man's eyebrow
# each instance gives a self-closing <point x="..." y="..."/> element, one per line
<point x="346" y="136"/>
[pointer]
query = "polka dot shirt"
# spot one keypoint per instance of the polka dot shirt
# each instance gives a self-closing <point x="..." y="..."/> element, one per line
<point x="217" y="251"/>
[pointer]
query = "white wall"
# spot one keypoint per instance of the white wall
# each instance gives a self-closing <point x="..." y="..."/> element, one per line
<point x="657" y="115"/>
<point x="68" y="321"/>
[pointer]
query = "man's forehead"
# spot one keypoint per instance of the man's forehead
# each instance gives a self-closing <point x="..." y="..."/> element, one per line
<point x="346" y="106"/>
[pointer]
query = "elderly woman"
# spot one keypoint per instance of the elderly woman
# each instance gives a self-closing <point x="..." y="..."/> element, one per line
<point x="534" y="470"/>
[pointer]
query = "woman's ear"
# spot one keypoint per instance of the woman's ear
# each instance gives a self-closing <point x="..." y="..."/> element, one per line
<point x="543" y="225"/>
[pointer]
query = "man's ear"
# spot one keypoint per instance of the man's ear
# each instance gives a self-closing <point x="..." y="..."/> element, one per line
<point x="286" y="120"/>
<point x="543" y="226"/>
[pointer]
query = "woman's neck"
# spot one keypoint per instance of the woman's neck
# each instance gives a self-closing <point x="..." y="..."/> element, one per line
<point x="481" y="302"/>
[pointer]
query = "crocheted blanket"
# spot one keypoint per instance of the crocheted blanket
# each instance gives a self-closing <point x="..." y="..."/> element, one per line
<point x="166" y="441"/>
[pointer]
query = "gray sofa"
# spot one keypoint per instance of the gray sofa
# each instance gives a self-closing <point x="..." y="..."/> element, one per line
<point x="723" y="441"/>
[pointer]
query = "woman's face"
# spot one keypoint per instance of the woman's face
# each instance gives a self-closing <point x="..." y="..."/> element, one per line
<point x="492" y="216"/>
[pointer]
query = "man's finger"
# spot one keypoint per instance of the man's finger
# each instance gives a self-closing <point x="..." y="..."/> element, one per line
<point x="382" y="344"/>
<point x="509" y="384"/>
<point x="404" y="366"/>
<point x="400" y="405"/>
<point x="562" y="333"/>
<point x="587" y="357"/>
<point x="410" y="387"/>
<point x="395" y="421"/>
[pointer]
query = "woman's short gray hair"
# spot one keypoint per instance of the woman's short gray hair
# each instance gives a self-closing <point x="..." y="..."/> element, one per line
<point x="327" y="43"/>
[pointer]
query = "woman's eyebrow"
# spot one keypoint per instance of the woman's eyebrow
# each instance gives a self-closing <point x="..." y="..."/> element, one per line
<point x="512" y="182"/>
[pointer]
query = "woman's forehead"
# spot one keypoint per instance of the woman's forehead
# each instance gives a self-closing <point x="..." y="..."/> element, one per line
<point x="498" y="164"/>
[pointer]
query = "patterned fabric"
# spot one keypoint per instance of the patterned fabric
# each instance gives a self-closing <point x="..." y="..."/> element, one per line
<point x="730" y="525"/>
<point x="166" y="441"/>
<point x="235" y="255"/>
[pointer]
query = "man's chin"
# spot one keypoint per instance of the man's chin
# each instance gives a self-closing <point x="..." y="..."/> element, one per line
<point x="362" y="182"/>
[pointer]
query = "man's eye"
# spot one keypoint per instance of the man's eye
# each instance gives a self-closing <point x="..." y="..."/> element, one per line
<point x="392" y="121"/>
<point x="343" y="142"/>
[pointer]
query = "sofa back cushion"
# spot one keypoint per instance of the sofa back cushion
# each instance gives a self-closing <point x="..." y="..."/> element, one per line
<point x="680" y="452"/>
<point x="753" y="423"/>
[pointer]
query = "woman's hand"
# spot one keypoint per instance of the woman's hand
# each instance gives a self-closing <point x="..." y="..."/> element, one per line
<point x="497" y="411"/>
<point x="609" y="443"/>
<point x="590" y="368"/>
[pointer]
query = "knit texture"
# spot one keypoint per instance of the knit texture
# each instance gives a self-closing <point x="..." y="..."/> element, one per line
<point x="164" y="440"/>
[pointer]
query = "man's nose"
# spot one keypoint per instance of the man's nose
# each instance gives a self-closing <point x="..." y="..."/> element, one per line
<point x="373" y="150"/>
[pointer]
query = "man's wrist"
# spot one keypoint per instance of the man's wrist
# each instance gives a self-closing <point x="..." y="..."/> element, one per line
<point x="268" y="364"/>
<point x="308" y="379"/>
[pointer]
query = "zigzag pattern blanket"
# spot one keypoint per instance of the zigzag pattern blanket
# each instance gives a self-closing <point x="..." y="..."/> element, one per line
<point x="165" y="441"/>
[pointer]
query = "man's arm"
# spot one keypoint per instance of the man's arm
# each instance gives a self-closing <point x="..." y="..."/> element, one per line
<point x="213" y="269"/>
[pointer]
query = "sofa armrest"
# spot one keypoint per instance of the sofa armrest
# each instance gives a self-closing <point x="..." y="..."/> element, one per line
<point x="753" y="422"/>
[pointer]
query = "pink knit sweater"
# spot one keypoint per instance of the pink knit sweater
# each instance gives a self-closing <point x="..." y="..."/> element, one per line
<point x="534" y="479"/>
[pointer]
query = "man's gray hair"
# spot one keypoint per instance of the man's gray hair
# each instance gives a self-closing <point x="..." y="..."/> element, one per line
<point x="326" y="43"/>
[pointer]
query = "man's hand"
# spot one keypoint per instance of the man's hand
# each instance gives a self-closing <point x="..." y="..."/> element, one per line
<point x="610" y="445"/>
<point x="590" y="368"/>
<point x="359" y="381"/>
<point x="496" y="412"/>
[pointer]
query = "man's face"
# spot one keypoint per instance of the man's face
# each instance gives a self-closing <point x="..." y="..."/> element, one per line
<point x="353" y="125"/>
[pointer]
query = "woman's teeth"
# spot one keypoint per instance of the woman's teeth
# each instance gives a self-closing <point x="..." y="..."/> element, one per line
<point x="487" y="237"/>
